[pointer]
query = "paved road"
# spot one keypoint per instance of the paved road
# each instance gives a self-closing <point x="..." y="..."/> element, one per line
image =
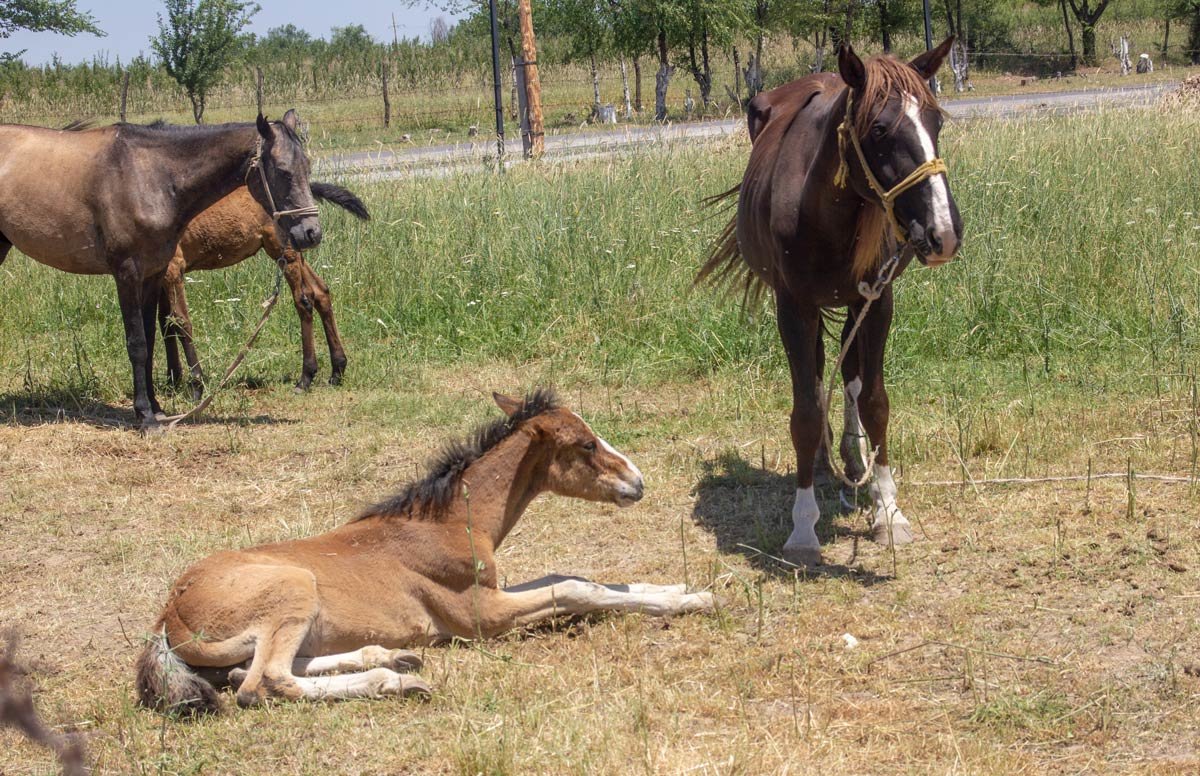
<point x="446" y="159"/>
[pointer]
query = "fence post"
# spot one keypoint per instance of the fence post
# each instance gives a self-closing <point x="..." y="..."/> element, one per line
<point x="258" y="88"/>
<point x="532" y="128"/>
<point x="387" y="104"/>
<point x="124" y="94"/>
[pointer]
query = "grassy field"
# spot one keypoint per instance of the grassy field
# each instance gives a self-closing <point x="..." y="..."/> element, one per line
<point x="1048" y="628"/>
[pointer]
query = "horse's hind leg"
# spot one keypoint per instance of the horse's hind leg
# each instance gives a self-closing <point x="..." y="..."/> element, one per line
<point x="319" y="293"/>
<point x="889" y="526"/>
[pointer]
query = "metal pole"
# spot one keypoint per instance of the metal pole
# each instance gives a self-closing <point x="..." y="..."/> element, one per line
<point x="929" y="42"/>
<point x="496" y="82"/>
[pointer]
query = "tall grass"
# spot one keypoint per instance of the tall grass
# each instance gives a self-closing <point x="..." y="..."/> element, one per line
<point x="1078" y="266"/>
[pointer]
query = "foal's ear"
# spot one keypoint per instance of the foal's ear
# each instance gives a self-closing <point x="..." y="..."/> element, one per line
<point x="508" y="404"/>
<point x="291" y="119"/>
<point x="264" y="127"/>
<point x="851" y="68"/>
<point x="927" y="64"/>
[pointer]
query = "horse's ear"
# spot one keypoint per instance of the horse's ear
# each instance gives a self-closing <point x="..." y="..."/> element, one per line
<point x="927" y="64"/>
<point x="291" y="119"/>
<point x="264" y="127"/>
<point x="758" y="113"/>
<point x="851" y="68"/>
<point x="508" y="404"/>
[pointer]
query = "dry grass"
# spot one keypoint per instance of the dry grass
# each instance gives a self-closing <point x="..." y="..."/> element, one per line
<point x="1058" y="632"/>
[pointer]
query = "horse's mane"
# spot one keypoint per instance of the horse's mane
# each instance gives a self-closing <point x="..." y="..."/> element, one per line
<point x="886" y="76"/>
<point x="189" y="131"/>
<point x="429" y="496"/>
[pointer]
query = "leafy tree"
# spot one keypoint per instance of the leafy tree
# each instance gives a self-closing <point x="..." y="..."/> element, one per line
<point x="197" y="39"/>
<point x="59" y="16"/>
<point x="1087" y="15"/>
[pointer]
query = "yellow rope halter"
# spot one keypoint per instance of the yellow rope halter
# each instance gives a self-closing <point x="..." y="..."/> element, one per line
<point x="887" y="197"/>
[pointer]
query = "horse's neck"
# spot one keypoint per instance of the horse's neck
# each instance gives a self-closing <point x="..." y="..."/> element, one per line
<point x="215" y="164"/>
<point x="832" y="208"/>
<point x="498" y="487"/>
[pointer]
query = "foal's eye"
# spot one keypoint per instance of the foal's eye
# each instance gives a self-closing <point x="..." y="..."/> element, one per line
<point x="589" y="446"/>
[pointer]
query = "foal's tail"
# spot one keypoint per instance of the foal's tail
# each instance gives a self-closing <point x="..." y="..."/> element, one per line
<point x="343" y="198"/>
<point x="167" y="684"/>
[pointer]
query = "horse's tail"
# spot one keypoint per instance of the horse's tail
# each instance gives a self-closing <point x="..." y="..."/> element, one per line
<point x="725" y="264"/>
<point x="343" y="198"/>
<point x="169" y="685"/>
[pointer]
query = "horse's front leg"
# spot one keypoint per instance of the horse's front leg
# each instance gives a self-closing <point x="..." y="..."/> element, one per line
<point x="502" y="610"/>
<point x="800" y="330"/>
<point x="131" y="295"/>
<point x="888" y="525"/>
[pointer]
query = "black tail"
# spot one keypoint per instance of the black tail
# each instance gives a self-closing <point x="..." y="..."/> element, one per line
<point x="343" y="198"/>
<point x="167" y="684"/>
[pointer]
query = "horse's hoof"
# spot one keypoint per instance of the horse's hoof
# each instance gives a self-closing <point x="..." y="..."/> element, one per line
<point x="416" y="687"/>
<point x="151" y="427"/>
<point x="896" y="534"/>
<point x="303" y="385"/>
<point x="404" y="661"/>
<point x="237" y="676"/>
<point x="335" y="379"/>
<point x="804" y="557"/>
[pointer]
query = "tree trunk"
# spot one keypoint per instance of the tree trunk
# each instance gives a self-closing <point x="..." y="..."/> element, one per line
<point x="737" y="76"/>
<point x="1070" y="35"/>
<point x="197" y="107"/>
<point x="1166" y="40"/>
<point x="637" y="84"/>
<point x="1087" y="36"/>
<point x="662" y="79"/>
<point x="884" y="31"/>
<point x="625" y="90"/>
<point x="595" y="86"/>
<point x="1194" y="36"/>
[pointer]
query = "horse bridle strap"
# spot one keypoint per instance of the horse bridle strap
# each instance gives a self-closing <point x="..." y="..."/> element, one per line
<point x="298" y="212"/>
<point x="887" y="197"/>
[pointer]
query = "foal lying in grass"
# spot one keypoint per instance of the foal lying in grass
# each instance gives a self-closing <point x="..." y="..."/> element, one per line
<point x="417" y="569"/>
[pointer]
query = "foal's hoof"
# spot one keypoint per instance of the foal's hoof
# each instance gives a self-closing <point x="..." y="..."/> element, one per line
<point x="404" y="661"/>
<point x="237" y="676"/>
<point x="804" y="557"/>
<point x="405" y="685"/>
<point x="896" y="534"/>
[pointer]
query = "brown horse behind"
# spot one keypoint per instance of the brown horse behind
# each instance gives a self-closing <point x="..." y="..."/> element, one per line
<point x="229" y="232"/>
<point x="417" y="569"/>
<point x="842" y="168"/>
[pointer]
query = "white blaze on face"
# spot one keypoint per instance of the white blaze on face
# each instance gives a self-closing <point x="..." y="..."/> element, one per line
<point x="805" y="514"/>
<point x="943" y="224"/>
<point x="634" y="474"/>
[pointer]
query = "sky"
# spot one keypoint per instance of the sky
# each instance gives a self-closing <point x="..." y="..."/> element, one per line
<point x="130" y="23"/>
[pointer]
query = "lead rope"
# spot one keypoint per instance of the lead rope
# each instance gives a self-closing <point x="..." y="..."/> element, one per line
<point x="267" y="305"/>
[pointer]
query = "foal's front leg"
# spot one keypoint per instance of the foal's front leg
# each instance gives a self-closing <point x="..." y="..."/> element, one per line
<point x="512" y="607"/>
<point x="800" y="330"/>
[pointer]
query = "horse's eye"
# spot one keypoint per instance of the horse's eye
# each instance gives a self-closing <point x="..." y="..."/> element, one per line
<point x="878" y="131"/>
<point x="589" y="446"/>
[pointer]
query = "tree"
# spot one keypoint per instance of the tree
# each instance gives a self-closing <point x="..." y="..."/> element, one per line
<point x="439" y="31"/>
<point x="59" y="16"/>
<point x="197" y="40"/>
<point x="1087" y="15"/>
<point x="707" y="24"/>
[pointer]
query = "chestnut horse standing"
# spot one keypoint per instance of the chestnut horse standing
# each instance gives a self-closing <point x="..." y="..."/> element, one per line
<point x="114" y="201"/>
<point x="843" y="176"/>
<point x="417" y="569"/>
<point x="229" y="232"/>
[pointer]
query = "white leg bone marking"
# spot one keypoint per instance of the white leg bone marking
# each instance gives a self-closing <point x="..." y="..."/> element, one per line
<point x="889" y="525"/>
<point x="802" y="547"/>
<point x="376" y="683"/>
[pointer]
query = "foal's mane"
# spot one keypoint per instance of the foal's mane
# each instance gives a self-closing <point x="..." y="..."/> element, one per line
<point x="886" y="76"/>
<point x="429" y="496"/>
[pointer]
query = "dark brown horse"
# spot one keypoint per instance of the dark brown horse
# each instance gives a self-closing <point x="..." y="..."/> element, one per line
<point x="229" y="232"/>
<point x="843" y="175"/>
<point x="114" y="201"/>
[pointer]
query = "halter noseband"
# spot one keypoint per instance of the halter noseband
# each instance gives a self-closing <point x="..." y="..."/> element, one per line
<point x="256" y="162"/>
<point x="887" y="197"/>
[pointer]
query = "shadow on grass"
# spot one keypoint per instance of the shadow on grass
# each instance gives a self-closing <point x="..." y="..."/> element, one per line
<point x="748" y="510"/>
<point x="63" y="405"/>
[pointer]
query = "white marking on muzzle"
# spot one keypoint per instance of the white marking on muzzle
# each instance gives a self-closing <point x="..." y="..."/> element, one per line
<point x="943" y="224"/>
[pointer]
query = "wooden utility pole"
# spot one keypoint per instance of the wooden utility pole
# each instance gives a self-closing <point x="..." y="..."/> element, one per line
<point x="536" y="141"/>
<point x="387" y="103"/>
<point x="124" y="93"/>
